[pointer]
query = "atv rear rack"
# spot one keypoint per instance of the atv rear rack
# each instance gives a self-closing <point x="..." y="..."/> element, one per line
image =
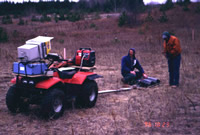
<point x="85" y="68"/>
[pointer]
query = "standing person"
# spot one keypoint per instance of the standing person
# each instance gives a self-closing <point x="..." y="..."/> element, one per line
<point x="128" y="64"/>
<point x="172" y="51"/>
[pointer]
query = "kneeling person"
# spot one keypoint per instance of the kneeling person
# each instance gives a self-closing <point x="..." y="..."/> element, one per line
<point x="128" y="64"/>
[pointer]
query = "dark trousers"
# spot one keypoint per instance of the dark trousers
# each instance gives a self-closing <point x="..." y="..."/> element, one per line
<point x="173" y="68"/>
<point x="131" y="78"/>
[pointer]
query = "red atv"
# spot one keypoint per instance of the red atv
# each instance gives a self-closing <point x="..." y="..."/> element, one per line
<point x="55" y="84"/>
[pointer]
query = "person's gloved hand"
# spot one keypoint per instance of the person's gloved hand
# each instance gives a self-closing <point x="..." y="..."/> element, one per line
<point x="133" y="72"/>
<point x="144" y="75"/>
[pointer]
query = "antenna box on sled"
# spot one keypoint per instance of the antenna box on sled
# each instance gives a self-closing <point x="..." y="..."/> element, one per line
<point x="35" y="49"/>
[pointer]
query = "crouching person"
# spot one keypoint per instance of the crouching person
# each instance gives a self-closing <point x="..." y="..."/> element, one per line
<point x="128" y="64"/>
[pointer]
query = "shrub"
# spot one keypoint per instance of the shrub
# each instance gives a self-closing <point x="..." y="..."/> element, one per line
<point x="3" y="35"/>
<point x="141" y="31"/>
<point x="21" y="21"/>
<point x="186" y="2"/>
<point x="123" y="19"/>
<point x="179" y="2"/>
<point x="45" y="18"/>
<point x="56" y="18"/>
<point x="163" y="18"/>
<point x="149" y="17"/>
<point x="129" y="20"/>
<point x="26" y="22"/>
<point x="92" y="25"/>
<point x="16" y="16"/>
<point x="183" y="2"/>
<point x="168" y="5"/>
<point x="15" y="33"/>
<point x="6" y="20"/>
<point x="73" y="17"/>
<point x="185" y="8"/>
<point x="34" y="19"/>
<point x="97" y="16"/>
<point x="108" y="16"/>
<point x="62" y="17"/>
<point x="197" y="9"/>
<point x="61" y="41"/>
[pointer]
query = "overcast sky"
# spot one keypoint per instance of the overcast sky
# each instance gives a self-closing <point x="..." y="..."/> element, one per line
<point x="145" y="1"/>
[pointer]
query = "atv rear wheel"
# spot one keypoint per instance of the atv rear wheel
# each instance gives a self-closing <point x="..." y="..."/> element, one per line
<point x="12" y="99"/>
<point x="89" y="94"/>
<point x="52" y="105"/>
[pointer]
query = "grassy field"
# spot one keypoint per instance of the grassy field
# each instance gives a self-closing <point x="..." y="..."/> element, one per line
<point x="176" y="110"/>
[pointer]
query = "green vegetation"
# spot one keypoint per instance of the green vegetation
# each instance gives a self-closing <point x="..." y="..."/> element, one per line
<point x="168" y="5"/>
<point x="47" y="11"/>
<point x="57" y="7"/>
<point x="61" y="41"/>
<point x="7" y="20"/>
<point x="149" y="17"/>
<point x="15" y="33"/>
<point x="56" y="18"/>
<point x="45" y="18"/>
<point x="34" y="19"/>
<point x="71" y="11"/>
<point x="163" y="18"/>
<point x="21" y="21"/>
<point x="197" y="9"/>
<point x="123" y="19"/>
<point x="73" y="17"/>
<point x="15" y="16"/>
<point x="33" y="7"/>
<point x="62" y="17"/>
<point x="185" y="2"/>
<point x="96" y="16"/>
<point x="3" y="35"/>
<point x="92" y="25"/>
<point x="185" y="8"/>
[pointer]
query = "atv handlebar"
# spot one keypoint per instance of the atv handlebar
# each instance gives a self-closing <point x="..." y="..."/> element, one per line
<point x="57" y="61"/>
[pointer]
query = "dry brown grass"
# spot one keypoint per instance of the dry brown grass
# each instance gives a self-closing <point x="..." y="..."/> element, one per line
<point x="116" y="113"/>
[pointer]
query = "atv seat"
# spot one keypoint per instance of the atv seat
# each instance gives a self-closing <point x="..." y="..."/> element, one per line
<point x="66" y="72"/>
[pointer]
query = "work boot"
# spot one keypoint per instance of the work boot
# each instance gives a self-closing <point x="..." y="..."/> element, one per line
<point x="132" y="82"/>
<point x="174" y="86"/>
<point x="124" y="83"/>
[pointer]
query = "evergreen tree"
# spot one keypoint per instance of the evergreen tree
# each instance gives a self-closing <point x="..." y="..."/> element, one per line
<point x="168" y="5"/>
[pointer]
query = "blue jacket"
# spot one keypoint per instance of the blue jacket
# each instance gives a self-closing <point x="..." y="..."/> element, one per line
<point x="128" y="65"/>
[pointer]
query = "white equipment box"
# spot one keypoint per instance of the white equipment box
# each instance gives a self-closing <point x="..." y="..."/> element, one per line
<point x="35" y="49"/>
<point x="28" y="52"/>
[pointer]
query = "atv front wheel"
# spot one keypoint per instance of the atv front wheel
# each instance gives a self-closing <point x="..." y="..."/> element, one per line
<point x="12" y="99"/>
<point x="89" y="94"/>
<point x="52" y="105"/>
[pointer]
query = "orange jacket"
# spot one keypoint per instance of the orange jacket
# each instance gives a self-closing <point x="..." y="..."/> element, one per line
<point x="172" y="46"/>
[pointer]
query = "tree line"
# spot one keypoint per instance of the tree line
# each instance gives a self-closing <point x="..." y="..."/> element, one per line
<point x="84" y="6"/>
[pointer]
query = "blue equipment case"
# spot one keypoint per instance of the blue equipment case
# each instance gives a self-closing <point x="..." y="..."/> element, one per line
<point x="29" y="69"/>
